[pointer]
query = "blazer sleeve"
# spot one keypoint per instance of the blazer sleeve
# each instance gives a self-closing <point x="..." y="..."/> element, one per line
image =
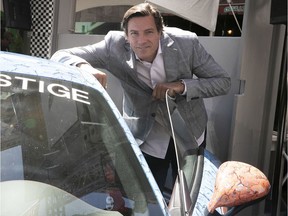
<point x="209" y="78"/>
<point x="96" y="54"/>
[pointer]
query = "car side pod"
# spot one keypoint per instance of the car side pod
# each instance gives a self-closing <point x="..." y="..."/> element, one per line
<point x="237" y="185"/>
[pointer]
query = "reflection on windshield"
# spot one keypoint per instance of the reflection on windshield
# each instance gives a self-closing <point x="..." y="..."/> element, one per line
<point x="77" y="147"/>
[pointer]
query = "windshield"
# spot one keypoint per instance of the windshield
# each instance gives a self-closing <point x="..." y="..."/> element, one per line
<point x="66" y="135"/>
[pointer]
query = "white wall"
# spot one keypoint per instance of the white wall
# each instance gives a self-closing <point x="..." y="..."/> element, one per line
<point x="226" y="51"/>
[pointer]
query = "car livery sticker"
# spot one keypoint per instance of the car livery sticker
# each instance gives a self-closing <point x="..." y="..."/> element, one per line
<point x="55" y="89"/>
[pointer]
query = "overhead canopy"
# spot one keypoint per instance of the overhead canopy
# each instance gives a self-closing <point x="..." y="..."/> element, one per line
<point x="201" y="12"/>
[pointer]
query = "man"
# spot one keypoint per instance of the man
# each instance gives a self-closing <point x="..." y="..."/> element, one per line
<point x="150" y="61"/>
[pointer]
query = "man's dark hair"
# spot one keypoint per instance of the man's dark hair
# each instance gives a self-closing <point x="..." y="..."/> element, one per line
<point x="141" y="10"/>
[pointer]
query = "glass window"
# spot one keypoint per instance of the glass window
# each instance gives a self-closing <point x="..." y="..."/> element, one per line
<point x="99" y="20"/>
<point x="66" y="135"/>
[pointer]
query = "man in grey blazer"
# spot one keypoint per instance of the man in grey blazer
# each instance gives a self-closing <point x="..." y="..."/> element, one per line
<point x="150" y="61"/>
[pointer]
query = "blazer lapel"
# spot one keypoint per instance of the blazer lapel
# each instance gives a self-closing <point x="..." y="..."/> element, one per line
<point x="170" y="57"/>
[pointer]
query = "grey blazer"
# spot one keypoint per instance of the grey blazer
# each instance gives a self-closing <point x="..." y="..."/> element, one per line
<point x="184" y="58"/>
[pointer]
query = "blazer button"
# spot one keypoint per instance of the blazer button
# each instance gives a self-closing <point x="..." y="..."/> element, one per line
<point x="153" y="114"/>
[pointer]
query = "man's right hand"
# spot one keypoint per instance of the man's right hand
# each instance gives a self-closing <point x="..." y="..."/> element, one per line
<point x="99" y="75"/>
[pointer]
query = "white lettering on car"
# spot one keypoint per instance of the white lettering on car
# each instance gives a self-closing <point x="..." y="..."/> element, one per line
<point x="55" y="89"/>
<point x="60" y="90"/>
<point x="41" y="86"/>
<point x="5" y="82"/>
<point x="25" y="82"/>
<point x="77" y="94"/>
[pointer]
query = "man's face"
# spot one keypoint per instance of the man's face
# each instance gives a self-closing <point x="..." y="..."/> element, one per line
<point x="143" y="37"/>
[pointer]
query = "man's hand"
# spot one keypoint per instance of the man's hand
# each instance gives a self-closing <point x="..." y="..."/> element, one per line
<point x="99" y="75"/>
<point x="173" y="87"/>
